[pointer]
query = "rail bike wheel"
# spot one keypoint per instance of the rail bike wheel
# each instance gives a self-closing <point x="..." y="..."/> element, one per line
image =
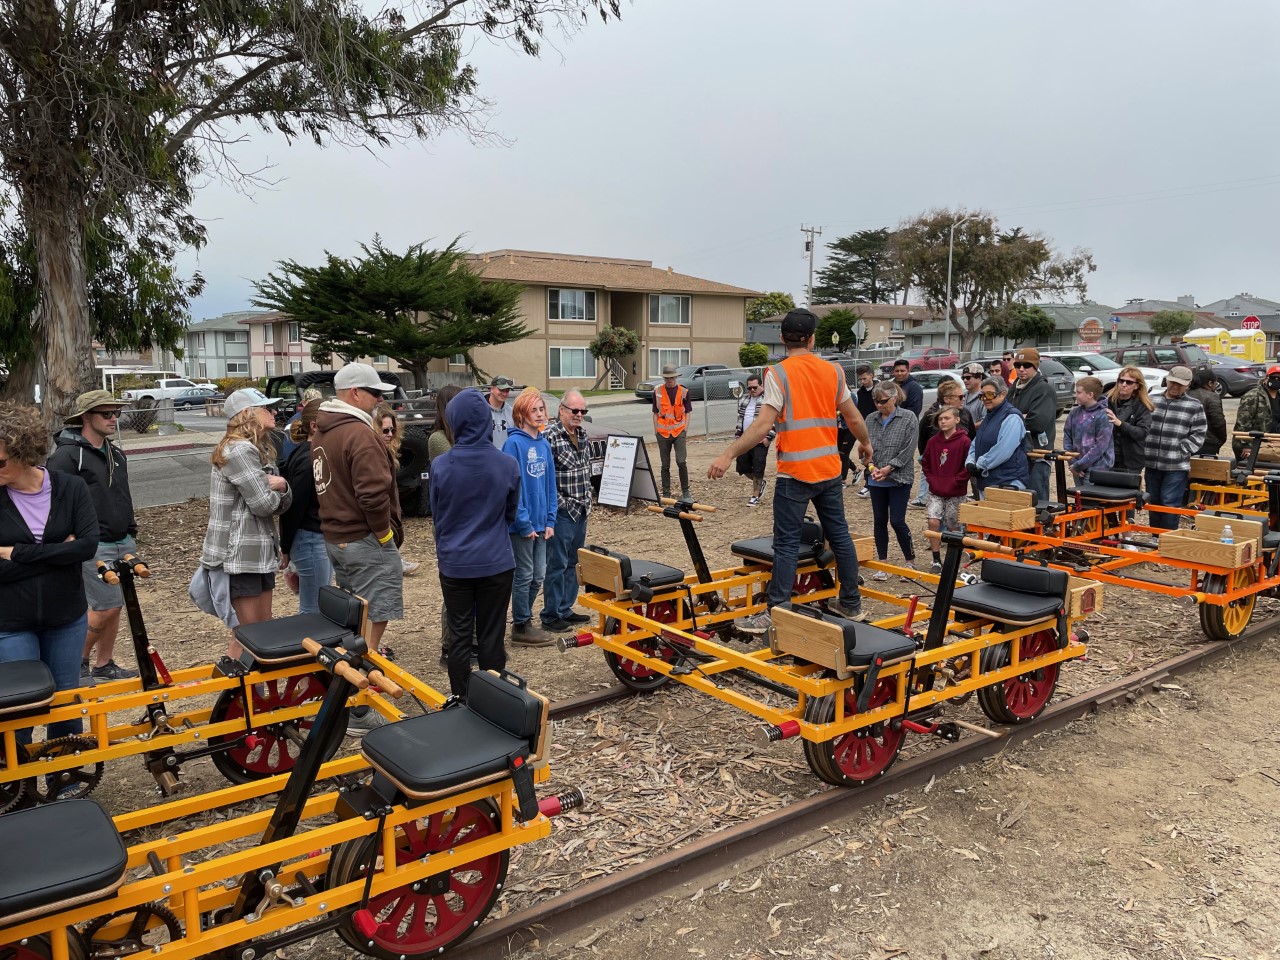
<point x="1023" y="697"/>
<point x="273" y="750"/>
<point x="1228" y="622"/>
<point x="812" y="582"/>
<point x="632" y="673"/>
<point x="40" y="948"/>
<point x="862" y="755"/>
<point x="428" y="917"/>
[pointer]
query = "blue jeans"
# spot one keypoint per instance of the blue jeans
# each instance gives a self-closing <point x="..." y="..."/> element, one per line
<point x="561" y="587"/>
<point x="1166" y="488"/>
<point x="1038" y="479"/>
<point x="531" y="567"/>
<point x="791" y="497"/>
<point x="60" y="649"/>
<point x="311" y="560"/>
<point x="889" y="509"/>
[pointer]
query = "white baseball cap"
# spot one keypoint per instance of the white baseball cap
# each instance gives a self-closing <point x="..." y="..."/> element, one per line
<point x="245" y="398"/>
<point x="360" y="375"/>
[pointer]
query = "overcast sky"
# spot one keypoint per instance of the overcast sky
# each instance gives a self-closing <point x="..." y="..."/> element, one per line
<point x="700" y="134"/>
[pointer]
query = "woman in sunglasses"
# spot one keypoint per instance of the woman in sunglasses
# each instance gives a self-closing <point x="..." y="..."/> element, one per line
<point x="392" y="431"/>
<point x="303" y="556"/>
<point x="1129" y="410"/>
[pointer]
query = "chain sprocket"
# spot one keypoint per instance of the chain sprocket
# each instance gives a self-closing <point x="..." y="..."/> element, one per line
<point x="70" y="784"/>
<point x="11" y="793"/>
<point x="150" y="925"/>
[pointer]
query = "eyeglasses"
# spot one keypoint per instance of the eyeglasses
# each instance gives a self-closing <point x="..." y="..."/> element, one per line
<point x="577" y="411"/>
<point x="988" y="396"/>
<point x="107" y="414"/>
<point x="388" y="431"/>
<point x="883" y="400"/>
<point x="1132" y="383"/>
<point x="371" y="392"/>
<point x="970" y="376"/>
<point x="1008" y="356"/>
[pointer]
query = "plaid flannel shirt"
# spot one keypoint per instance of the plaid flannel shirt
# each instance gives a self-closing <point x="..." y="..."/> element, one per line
<point x="743" y="400"/>
<point x="1178" y="427"/>
<point x="573" y="470"/>
<point x="242" y="531"/>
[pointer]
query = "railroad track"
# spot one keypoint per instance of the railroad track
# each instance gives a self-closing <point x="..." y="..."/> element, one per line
<point x="568" y="912"/>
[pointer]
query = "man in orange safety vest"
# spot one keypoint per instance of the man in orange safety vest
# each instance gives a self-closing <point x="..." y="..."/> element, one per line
<point x="802" y="395"/>
<point x="671" y="408"/>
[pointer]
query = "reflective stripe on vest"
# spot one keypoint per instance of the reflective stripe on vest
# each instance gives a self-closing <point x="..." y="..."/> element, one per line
<point x="671" y="415"/>
<point x="811" y="391"/>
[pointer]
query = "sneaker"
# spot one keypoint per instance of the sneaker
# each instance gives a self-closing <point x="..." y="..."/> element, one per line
<point x="849" y="613"/>
<point x="410" y="567"/>
<point x="918" y="504"/>
<point x="686" y="495"/>
<point x="556" y="626"/>
<point x="576" y="618"/>
<point x="880" y="575"/>
<point x="764" y="484"/>
<point x="113" y="671"/>
<point x="358" y="724"/>
<point x="864" y="492"/>
<point x="759" y="624"/>
<point x="86" y="674"/>
<point x="935" y="567"/>
<point x="527" y="635"/>
<point x="753" y="501"/>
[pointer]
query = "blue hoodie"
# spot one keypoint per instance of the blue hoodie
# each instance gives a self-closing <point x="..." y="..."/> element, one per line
<point x="537" y="482"/>
<point x="475" y="492"/>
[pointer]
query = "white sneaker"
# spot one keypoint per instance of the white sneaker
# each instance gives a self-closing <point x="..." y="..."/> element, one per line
<point x="880" y="575"/>
<point x="759" y="624"/>
<point x="753" y="501"/>
<point x="864" y="492"/>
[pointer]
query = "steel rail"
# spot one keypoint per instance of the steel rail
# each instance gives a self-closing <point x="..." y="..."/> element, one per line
<point x="575" y="909"/>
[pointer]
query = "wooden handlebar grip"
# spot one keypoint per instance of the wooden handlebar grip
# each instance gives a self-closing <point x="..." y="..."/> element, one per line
<point x="989" y="546"/>
<point x="311" y="646"/>
<point x="351" y="675"/>
<point x="385" y="684"/>
<point x="108" y="576"/>
<point x="672" y="501"/>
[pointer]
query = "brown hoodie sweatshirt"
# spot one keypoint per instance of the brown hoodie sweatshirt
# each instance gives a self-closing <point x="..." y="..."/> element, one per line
<point x="355" y="476"/>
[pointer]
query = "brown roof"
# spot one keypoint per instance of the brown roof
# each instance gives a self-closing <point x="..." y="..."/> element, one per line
<point x="601" y="273"/>
<point x="876" y="311"/>
<point x="267" y="316"/>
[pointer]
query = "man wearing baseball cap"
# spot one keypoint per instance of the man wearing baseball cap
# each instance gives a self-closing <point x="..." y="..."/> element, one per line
<point x="359" y="504"/>
<point x="802" y="395"/>
<point x="84" y="448"/>
<point x="1259" y="408"/>
<point x="972" y="375"/>
<point x="1178" y="427"/>
<point x="1033" y="395"/>
<point x="500" y="405"/>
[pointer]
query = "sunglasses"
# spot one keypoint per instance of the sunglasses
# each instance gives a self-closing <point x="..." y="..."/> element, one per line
<point x="883" y="401"/>
<point x="577" y="411"/>
<point x="1023" y="366"/>
<point x="988" y="396"/>
<point x="1132" y="383"/>
<point x="388" y="431"/>
<point x="970" y="376"/>
<point x="1008" y="356"/>
<point x="372" y="392"/>
<point x="107" y="414"/>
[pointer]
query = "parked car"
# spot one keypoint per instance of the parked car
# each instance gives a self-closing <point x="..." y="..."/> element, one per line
<point x="879" y="345"/>
<point x="1163" y="355"/>
<point x="929" y="380"/>
<point x="1059" y="377"/>
<point x="1104" y="368"/>
<point x="924" y="358"/>
<point x="690" y="376"/>
<point x="165" y="388"/>
<point x="1235" y="376"/>
<point x="198" y="396"/>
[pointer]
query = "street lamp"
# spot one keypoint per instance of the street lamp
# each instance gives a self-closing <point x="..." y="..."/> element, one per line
<point x="951" y="248"/>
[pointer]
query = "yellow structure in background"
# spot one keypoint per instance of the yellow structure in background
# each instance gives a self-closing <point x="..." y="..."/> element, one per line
<point x="1213" y="339"/>
<point x="1249" y="345"/>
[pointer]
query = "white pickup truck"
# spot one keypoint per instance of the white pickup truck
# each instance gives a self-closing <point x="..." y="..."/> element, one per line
<point x="164" y="389"/>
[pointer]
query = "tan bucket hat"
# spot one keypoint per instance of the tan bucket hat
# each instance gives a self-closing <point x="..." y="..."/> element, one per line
<point x="92" y="401"/>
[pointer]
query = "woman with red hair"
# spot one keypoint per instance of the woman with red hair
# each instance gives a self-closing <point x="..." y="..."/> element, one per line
<point x="536" y="516"/>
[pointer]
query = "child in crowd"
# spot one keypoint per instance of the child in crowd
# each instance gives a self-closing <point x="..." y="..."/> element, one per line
<point x="1088" y="430"/>
<point x="535" y="519"/>
<point x="943" y="466"/>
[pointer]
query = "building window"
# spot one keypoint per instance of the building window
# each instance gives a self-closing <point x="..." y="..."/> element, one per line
<point x="271" y="368"/>
<point x="917" y="340"/>
<point x="571" y="304"/>
<point x="268" y="333"/>
<point x="237" y="366"/>
<point x="295" y="366"/>
<point x="458" y="360"/>
<point x="295" y="332"/>
<point x="204" y="368"/>
<point x="659" y="358"/>
<point x="568" y="362"/>
<point x="664" y="308"/>
<point x="380" y="358"/>
<point x="236" y="336"/>
<point x="200" y="341"/>
<point x="897" y="325"/>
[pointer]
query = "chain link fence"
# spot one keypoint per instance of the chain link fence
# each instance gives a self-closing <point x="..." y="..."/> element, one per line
<point x="719" y="395"/>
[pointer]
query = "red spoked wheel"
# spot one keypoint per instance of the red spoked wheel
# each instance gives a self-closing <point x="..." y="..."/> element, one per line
<point x="39" y="948"/>
<point x="428" y="917"/>
<point x="811" y="582"/>
<point x="635" y="674"/>
<point x="860" y="756"/>
<point x="1023" y="697"/>
<point x="269" y="749"/>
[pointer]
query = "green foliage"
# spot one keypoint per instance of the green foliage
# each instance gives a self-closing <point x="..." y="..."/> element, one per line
<point x="860" y="269"/>
<point x="772" y="304"/>
<point x="614" y="343"/>
<point x="416" y="307"/>
<point x="1020" y="322"/>
<point x="753" y="355"/>
<point x="229" y="385"/>
<point x="839" y="321"/>
<point x="1172" y="323"/>
<point x="990" y="268"/>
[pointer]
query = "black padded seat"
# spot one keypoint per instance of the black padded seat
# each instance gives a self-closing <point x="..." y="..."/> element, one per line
<point x="1014" y="593"/>
<point x="867" y="642"/>
<point x="25" y="684"/>
<point x="279" y="641"/>
<point x="760" y="549"/>
<point x="469" y="743"/>
<point x="1270" y="540"/>
<point x="642" y="573"/>
<point x="1112" y="486"/>
<point x="70" y="854"/>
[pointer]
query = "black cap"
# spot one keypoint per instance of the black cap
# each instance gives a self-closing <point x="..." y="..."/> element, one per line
<point x="799" y="324"/>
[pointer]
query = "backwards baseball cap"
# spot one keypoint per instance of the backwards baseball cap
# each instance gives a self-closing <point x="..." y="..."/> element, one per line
<point x="503" y="383"/>
<point x="92" y="401"/>
<point x="244" y="399"/>
<point x="360" y="375"/>
<point x="799" y="324"/>
<point x="973" y="369"/>
<point x="1028" y="355"/>
<point x="1180" y="375"/>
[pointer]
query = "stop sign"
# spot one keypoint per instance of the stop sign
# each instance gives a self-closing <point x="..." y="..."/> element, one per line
<point x="1250" y="323"/>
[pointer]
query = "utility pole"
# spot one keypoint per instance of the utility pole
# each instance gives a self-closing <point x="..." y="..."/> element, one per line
<point x="809" y="244"/>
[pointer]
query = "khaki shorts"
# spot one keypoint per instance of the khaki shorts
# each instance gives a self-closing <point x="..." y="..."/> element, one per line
<point x="105" y="596"/>
<point x="371" y="570"/>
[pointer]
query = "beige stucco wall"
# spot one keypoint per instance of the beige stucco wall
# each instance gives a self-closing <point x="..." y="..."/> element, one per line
<point x="714" y="334"/>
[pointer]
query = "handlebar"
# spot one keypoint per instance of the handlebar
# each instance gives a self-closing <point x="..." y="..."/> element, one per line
<point x="671" y="502"/>
<point x="107" y="575"/>
<point x="654" y="508"/>
<point x="1052" y="454"/>
<point x="340" y="667"/>
<point x="385" y="684"/>
<point x="140" y="569"/>
<point x="974" y="543"/>
<point x="1253" y="434"/>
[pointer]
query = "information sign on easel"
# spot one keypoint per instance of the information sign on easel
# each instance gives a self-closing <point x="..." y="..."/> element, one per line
<point x="626" y="473"/>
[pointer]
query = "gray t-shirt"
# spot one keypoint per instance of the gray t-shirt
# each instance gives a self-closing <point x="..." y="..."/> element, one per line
<point x="503" y="422"/>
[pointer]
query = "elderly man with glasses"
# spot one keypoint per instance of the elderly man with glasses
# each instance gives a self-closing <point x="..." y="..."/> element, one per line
<point x="752" y="463"/>
<point x="84" y="448"/>
<point x="573" y="505"/>
<point x="997" y="457"/>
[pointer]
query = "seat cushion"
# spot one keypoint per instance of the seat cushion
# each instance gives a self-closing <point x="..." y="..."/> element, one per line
<point x="650" y="573"/>
<point x="441" y="750"/>
<point x="280" y="640"/>
<point x="1093" y="491"/>
<point x="25" y="684"/>
<point x="870" y="642"/>
<point x="68" y="850"/>
<point x="760" y="549"/>
<point x="1012" y="592"/>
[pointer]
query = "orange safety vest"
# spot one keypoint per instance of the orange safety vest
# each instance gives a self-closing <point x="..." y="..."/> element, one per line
<point x="811" y="392"/>
<point x="671" y="414"/>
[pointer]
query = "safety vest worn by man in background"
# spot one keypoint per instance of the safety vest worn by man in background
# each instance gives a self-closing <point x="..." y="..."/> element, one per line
<point x="811" y="388"/>
<point x="672" y="419"/>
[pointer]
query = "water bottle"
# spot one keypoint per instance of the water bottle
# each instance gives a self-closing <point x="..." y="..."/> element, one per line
<point x="1227" y="536"/>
